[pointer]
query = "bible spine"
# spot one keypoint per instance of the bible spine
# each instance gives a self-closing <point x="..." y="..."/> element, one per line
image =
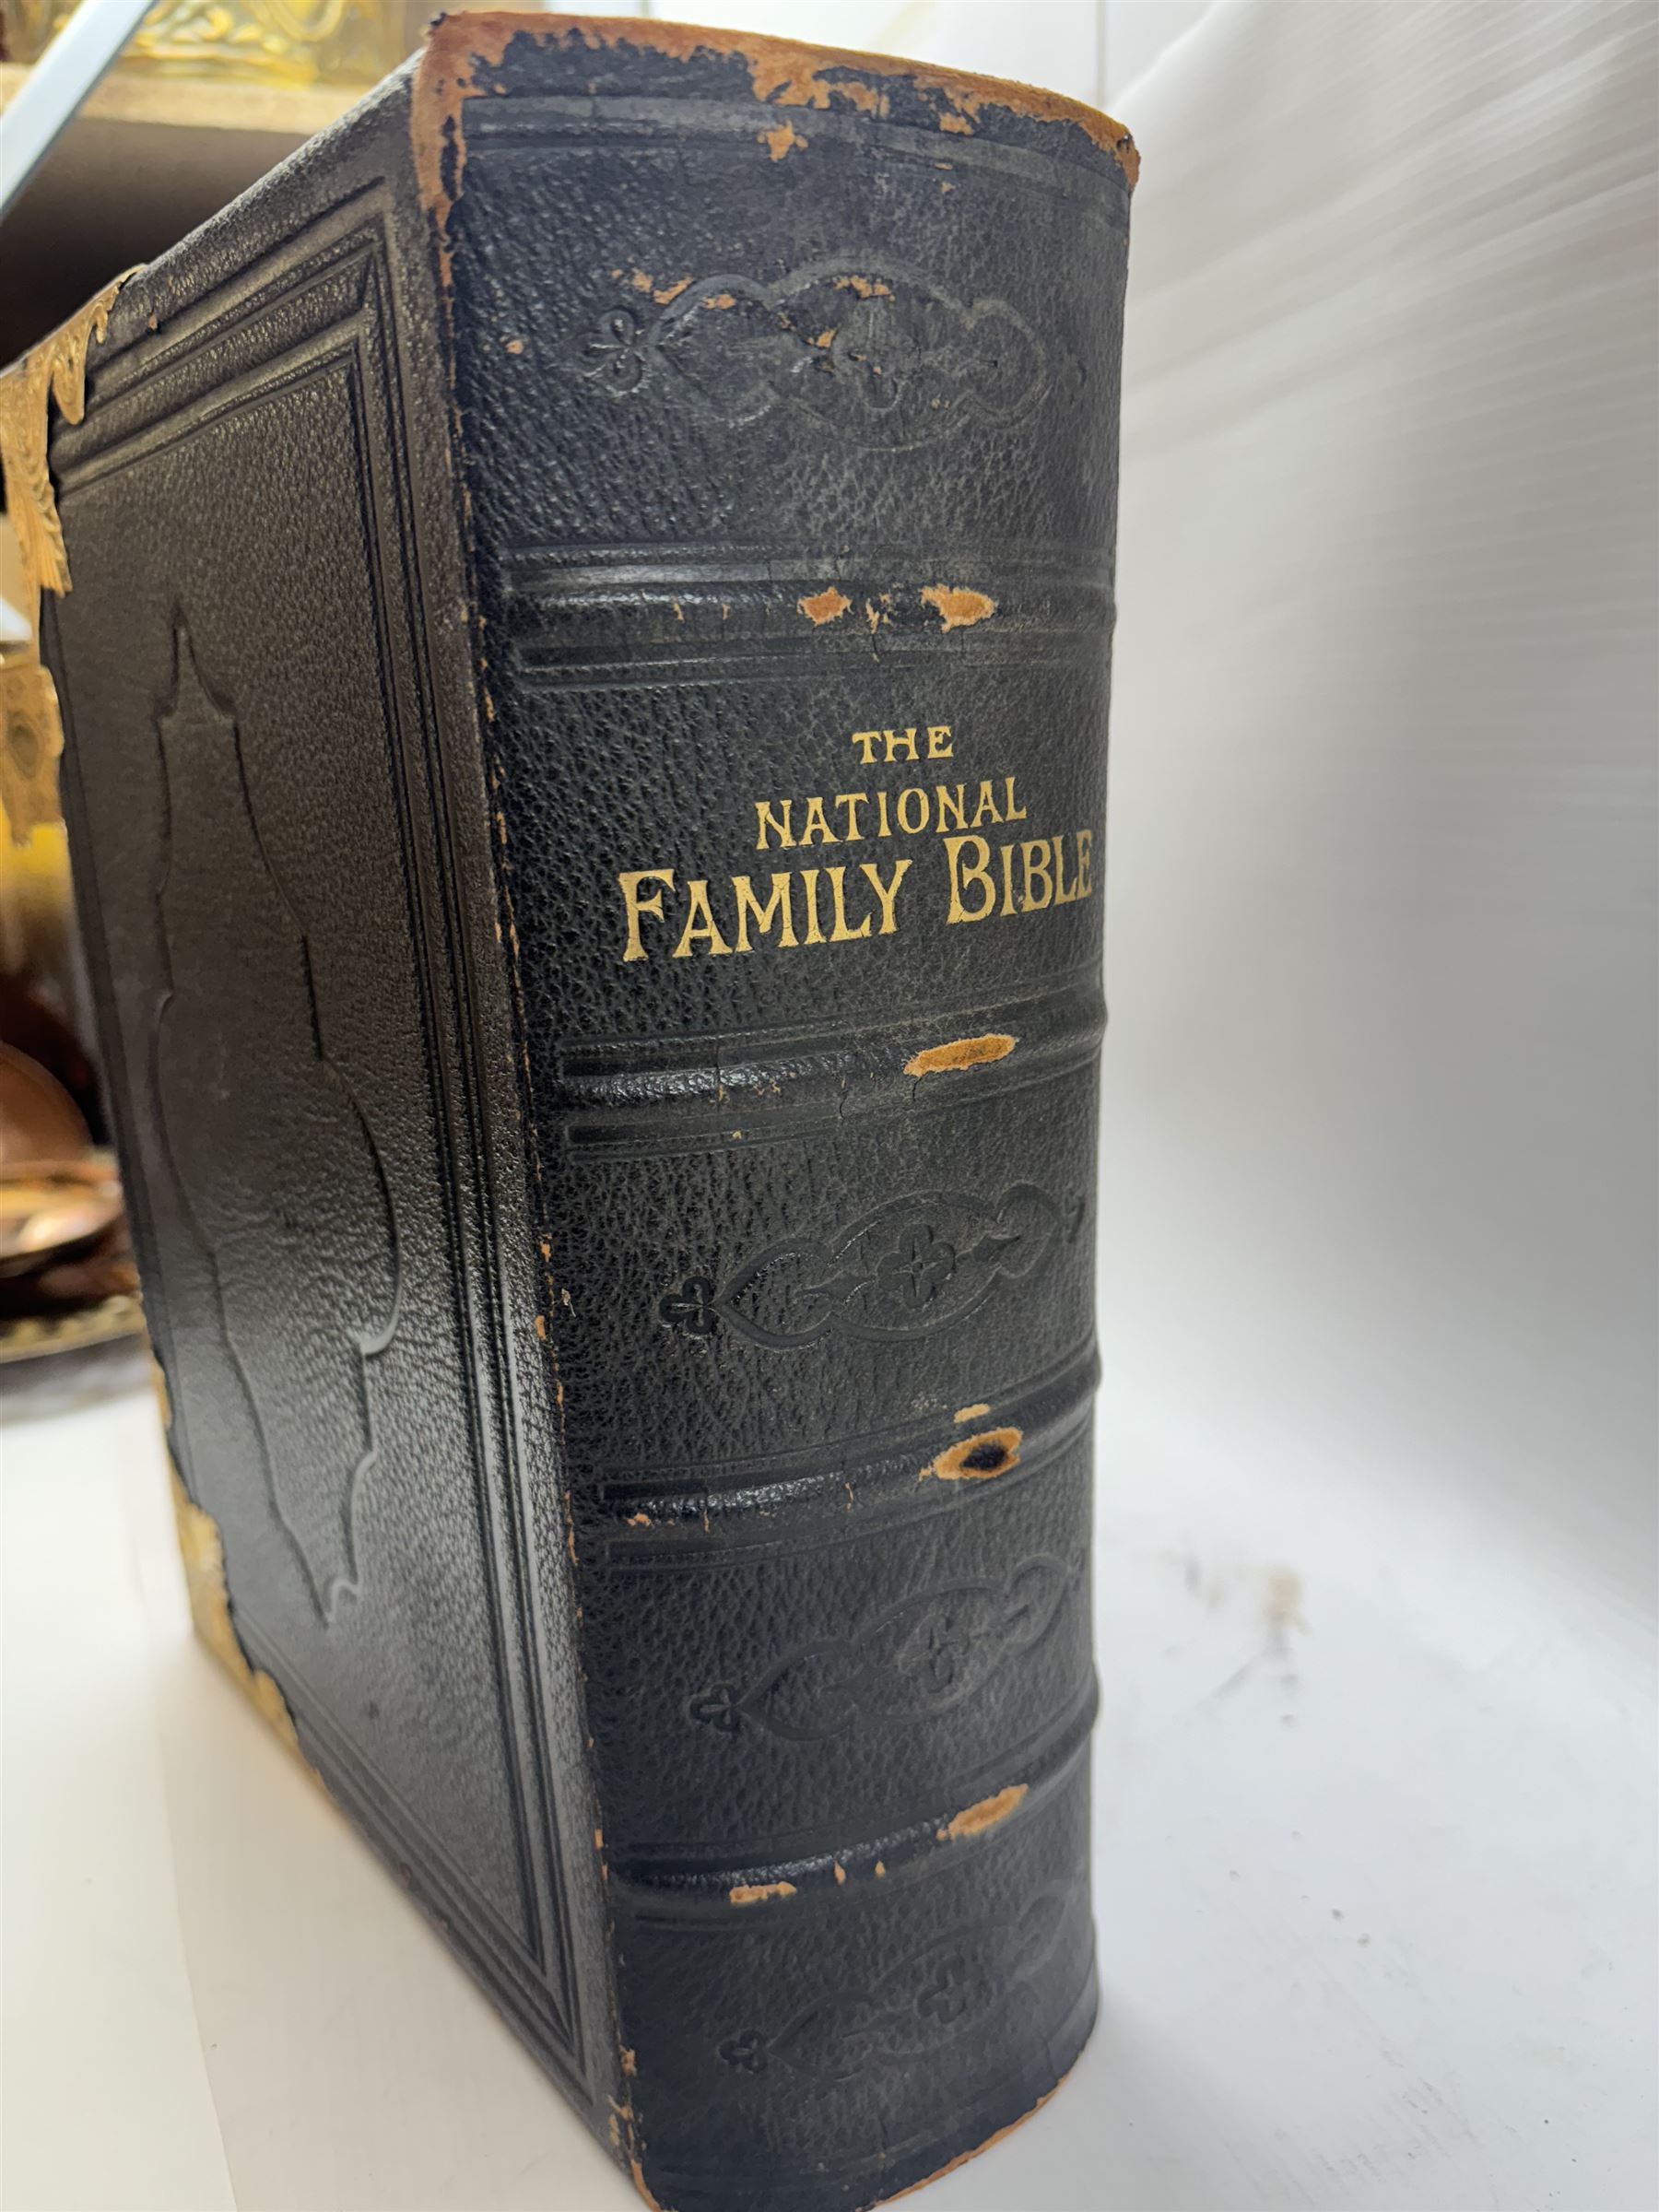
<point x="785" y="404"/>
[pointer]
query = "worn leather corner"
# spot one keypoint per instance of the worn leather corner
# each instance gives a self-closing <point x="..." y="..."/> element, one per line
<point x="202" y="1552"/>
<point x="976" y="2150"/>
<point x="54" y="370"/>
<point x="785" y="73"/>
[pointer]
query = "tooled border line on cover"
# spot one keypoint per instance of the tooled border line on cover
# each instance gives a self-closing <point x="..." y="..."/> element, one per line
<point x="56" y="368"/>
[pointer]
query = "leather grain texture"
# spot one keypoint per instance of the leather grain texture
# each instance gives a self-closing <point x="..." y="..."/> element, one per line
<point x="585" y="688"/>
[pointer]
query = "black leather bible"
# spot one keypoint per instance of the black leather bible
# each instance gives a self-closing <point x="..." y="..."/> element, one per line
<point x="584" y="690"/>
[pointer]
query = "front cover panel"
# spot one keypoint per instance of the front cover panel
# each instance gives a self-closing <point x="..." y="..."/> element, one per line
<point x="263" y="863"/>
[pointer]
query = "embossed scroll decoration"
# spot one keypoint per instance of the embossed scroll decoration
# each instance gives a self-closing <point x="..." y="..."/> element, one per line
<point x="914" y="1660"/>
<point x="949" y="1988"/>
<point x="908" y="1266"/>
<point x="885" y="357"/>
<point x="277" y="1174"/>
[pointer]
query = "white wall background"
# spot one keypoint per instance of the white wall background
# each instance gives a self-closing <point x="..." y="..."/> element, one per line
<point x="1381" y="941"/>
<point x="1089" y="48"/>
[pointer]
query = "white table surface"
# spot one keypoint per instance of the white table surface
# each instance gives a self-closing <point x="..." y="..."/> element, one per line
<point x="1372" y="1866"/>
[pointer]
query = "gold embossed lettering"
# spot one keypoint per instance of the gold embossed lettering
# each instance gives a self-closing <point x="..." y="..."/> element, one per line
<point x="851" y="801"/>
<point x="919" y="811"/>
<point x="1034" y="854"/>
<point x="939" y="741"/>
<point x="815" y="931"/>
<point x="840" y="934"/>
<point x="887" y="894"/>
<point x="636" y="904"/>
<point x="750" y="909"/>
<point x="767" y="821"/>
<point x="699" y="922"/>
<point x="987" y="808"/>
<point x="1061" y="896"/>
<point x="966" y="857"/>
